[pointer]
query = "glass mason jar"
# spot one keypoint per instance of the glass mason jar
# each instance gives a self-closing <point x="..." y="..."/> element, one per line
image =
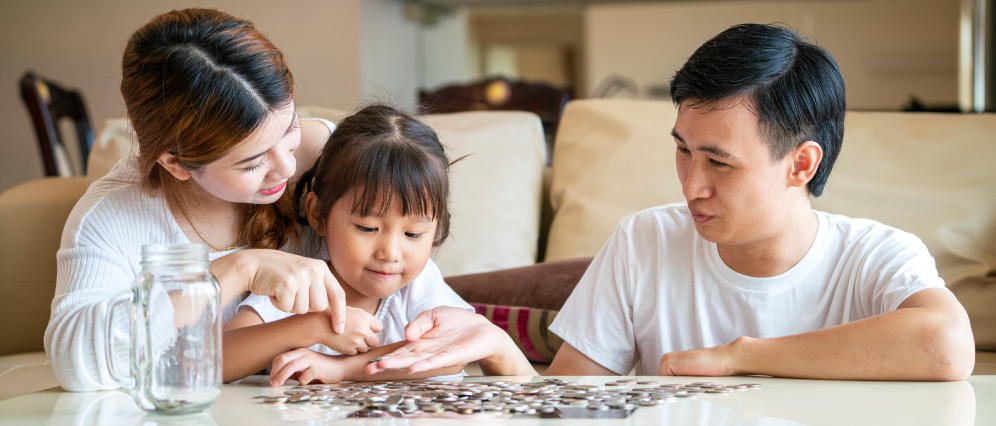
<point x="175" y="329"/>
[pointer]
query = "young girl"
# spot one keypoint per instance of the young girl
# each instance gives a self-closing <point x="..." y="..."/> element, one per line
<point x="376" y="203"/>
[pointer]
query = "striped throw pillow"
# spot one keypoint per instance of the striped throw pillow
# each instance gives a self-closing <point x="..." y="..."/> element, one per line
<point x="528" y="328"/>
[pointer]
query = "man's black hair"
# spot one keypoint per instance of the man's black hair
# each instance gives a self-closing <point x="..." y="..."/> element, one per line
<point x="793" y="86"/>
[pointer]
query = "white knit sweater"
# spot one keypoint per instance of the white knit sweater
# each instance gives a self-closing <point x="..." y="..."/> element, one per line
<point x="100" y="257"/>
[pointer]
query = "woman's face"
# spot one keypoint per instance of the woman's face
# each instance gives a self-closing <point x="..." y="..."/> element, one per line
<point x="257" y="169"/>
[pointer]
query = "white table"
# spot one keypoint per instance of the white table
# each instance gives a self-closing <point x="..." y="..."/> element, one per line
<point x="778" y="402"/>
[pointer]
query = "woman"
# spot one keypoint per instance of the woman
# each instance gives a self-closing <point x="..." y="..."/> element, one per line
<point x="211" y="102"/>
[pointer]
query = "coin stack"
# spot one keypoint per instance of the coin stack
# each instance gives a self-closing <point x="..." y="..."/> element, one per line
<point x="494" y="397"/>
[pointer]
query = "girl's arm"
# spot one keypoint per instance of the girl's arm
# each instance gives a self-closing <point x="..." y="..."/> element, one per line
<point x="249" y="344"/>
<point x="307" y="366"/>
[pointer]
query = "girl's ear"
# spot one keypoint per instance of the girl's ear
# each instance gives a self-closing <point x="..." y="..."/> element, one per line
<point x="313" y="208"/>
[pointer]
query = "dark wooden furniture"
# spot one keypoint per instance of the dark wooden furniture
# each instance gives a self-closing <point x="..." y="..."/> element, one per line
<point x="500" y="94"/>
<point x="48" y="103"/>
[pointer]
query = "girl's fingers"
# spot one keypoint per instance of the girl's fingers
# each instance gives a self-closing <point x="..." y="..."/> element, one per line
<point x="308" y="375"/>
<point x="285" y="373"/>
<point x="372" y="340"/>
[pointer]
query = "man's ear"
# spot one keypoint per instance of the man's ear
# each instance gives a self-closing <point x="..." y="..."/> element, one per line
<point x="805" y="160"/>
<point x="172" y="165"/>
<point x="312" y="206"/>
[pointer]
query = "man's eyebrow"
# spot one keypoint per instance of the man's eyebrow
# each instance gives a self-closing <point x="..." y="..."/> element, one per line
<point x="675" y="134"/>
<point x="716" y="151"/>
<point x="719" y="152"/>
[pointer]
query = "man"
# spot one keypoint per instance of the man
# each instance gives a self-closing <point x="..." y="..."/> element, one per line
<point x="744" y="277"/>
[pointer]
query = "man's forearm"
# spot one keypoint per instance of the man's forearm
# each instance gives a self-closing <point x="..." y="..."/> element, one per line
<point x="929" y="344"/>
<point x="247" y="350"/>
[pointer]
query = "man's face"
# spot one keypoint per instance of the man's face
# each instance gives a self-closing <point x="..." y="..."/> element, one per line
<point x="735" y="192"/>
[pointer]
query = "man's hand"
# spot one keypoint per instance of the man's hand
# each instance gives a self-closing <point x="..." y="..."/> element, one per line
<point x="717" y="361"/>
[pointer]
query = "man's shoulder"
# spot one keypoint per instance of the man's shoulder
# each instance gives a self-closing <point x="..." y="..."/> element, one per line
<point x="667" y="214"/>
<point x="863" y="237"/>
<point x="860" y="230"/>
<point x="670" y="219"/>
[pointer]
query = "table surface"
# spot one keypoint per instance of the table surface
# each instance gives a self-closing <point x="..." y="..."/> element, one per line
<point x="778" y="402"/>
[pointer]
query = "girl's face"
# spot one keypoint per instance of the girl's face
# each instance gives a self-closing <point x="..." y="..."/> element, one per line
<point x="257" y="169"/>
<point x="376" y="255"/>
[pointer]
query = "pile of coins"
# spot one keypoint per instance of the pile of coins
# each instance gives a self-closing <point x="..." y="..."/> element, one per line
<point x="518" y="398"/>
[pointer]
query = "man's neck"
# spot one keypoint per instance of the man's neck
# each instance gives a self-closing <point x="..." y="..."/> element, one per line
<point x="777" y="253"/>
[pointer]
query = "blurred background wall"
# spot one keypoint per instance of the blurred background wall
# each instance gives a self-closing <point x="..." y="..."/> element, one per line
<point x="345" y="52"/>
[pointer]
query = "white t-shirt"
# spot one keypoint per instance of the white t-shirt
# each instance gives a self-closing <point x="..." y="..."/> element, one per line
<point x="658" y="287"/>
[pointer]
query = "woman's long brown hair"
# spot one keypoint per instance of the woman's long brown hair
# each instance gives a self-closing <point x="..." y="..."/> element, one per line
<point x="196" y="83"/>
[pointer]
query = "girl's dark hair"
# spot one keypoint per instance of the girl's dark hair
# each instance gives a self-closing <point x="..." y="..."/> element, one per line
<point x="385" y="156"/>
<point x="793" y="86"/>
<point x="196" y="83"/>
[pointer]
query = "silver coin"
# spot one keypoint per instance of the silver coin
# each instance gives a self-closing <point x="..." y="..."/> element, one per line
<point x="375" y="359"/>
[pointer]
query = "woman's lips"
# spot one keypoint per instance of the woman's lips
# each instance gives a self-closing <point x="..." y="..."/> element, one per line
<point x="273" y="190"/>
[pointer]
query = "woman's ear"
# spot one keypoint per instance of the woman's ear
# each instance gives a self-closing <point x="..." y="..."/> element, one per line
<point x="313" y="207"/>
<point x="172" y="165"/>
<point x="805" y="160"/>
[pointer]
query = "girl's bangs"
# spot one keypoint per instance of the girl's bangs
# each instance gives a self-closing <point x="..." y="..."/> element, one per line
<point x="398" y="172"/>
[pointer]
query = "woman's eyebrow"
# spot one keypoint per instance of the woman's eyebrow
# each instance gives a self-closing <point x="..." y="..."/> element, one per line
<point x="286" y="132"/>
<point x="252" y="158"/>
<point x="291" y="127"/>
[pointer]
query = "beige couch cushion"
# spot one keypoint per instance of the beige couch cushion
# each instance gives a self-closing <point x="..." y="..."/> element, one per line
<point x="33" y="215"/>
<point x="495" y="192"/>
<point x="929" y="174"/>
<point x="612" y="158"/>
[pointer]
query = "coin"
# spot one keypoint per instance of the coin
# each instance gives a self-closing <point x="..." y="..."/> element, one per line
<point x="375" y="359"/>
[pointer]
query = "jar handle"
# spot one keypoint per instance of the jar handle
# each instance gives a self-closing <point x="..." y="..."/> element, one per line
<point x="125" y="381"/>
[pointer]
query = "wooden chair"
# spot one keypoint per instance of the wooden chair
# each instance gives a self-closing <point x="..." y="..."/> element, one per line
<point x="48" y="103"/>
<point x="500" y="94"/>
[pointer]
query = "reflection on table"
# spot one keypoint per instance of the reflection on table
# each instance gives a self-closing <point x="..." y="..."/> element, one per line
<point x="778" y="402"/>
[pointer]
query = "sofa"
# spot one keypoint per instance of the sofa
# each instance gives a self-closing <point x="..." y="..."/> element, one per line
<point x="523" y="232"/>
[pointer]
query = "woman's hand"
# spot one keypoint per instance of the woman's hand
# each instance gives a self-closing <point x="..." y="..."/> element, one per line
<point x="294" y="283"/>
<point x="360" y="335"/>
<point x="306" y="366"/>
<point x="446" y="336"/>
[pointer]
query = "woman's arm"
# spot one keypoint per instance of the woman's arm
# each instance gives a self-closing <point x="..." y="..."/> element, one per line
<point x="249" y="345"/>
<point x="314" y="134"/>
